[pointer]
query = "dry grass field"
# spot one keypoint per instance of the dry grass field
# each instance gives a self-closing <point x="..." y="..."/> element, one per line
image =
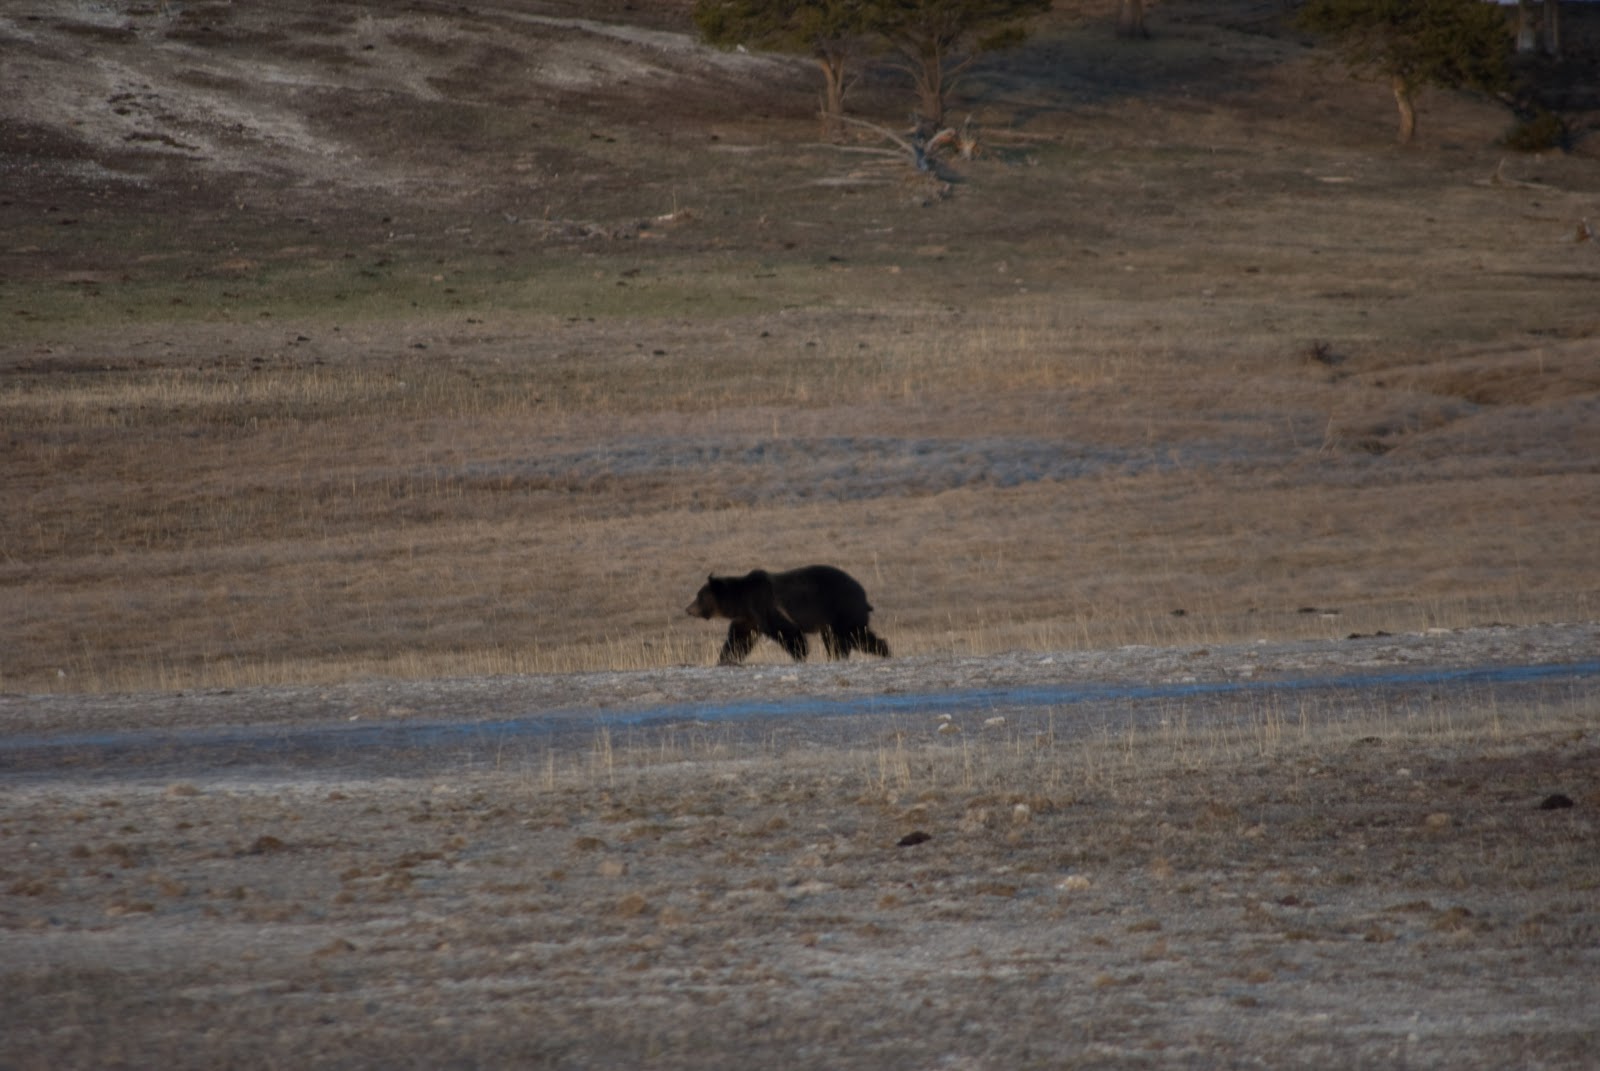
<point x="351" y="346"/>
<point x="498" y="389"/>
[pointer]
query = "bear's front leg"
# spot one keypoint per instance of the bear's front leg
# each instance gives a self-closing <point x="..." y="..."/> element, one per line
<point x="741" y="638"/>
<point x="792" y="640"/>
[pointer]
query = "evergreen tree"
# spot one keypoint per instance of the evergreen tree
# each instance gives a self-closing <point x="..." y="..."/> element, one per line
<point x="1456" y="44"/>
<point x="936" y="40"/>
<point x="831" y="32"/>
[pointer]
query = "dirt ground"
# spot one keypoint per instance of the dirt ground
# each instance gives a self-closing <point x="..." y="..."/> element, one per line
<point x="1373" y="852"/>
<point x="378" y="382"/>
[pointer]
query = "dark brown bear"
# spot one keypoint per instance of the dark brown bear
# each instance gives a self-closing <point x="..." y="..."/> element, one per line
<point x="786" y="606"/>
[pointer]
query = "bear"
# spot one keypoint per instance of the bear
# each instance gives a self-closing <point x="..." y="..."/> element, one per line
<point x="785" y="606"/>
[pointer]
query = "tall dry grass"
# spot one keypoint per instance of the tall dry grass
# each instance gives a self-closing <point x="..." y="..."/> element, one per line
<point x="182" y="526"/>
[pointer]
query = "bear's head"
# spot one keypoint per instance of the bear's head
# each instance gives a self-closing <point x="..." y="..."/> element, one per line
<point x="705" y="603"/>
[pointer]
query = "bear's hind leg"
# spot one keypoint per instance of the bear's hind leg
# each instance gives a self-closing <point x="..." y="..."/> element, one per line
<point x="741" y="639"/>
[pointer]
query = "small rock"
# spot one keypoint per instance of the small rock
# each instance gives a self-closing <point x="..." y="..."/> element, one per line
<point x="632" y="905"/>
<point x="265" y="845"/>
<point x="913" y="838"/>
<point x="1556" y="801"/>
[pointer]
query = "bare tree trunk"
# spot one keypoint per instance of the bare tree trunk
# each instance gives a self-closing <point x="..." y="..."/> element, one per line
<point x="1552" y="27"/>
<point x="1130" y="19"/>
<point x="1408" y="108"/>
<point x="930" y="89"/>
<point x="832" y="97"/>
<point x="1527" y="31"/>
